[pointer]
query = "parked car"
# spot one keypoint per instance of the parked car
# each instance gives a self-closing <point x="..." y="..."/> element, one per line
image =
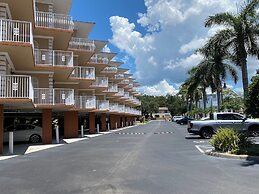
<point x="207" y="128"/>
<point x="184" y="121"/>
<point x="24" y="132"/>
<point x="177" y="118"/>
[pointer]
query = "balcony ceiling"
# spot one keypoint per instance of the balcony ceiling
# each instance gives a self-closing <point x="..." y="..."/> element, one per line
<point x="22" y="10"/>
<point x="83" y="29"/>
<point x="83" y="56"/>
<point x="122" y="70"/>
<point x="109" y="75"/>
<point x="21" y="55"/>
<point x="98" y="66"/>
<point x="110" y="55"/>
<point x="61" y="37"/>
<point x="99" y="44"/>
<point x="62" y="6"/>
<point x="61" y="74"/>
<point x="115" y="63"/>
<point x="85" y="85"/>
<point x="15" y="104"/>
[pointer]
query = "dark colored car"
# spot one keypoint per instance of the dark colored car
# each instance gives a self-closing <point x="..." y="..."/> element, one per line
<point x="184" y="121"/>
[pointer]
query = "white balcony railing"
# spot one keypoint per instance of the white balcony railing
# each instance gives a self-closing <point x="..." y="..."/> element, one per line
<point x="130" y="86"/>
<point x="114" y="107"/>
<point x="120" y="92"/>
<point x="112" y="88"/>
<point x="85" y="102"/>
<point x="53" y="57"/>
<point x="83" y="73"/>
<point x="99" y="58"/>
<point x="110" y="70"/>
<point x="121" y="108"/>
<point x="53" y="20"/>
<point x="15" y="31"/>
<point x="56" y="96"/>
<point x="100" y="82"/>
<point x="126" y="95"/>
<point x="81" y="44"/>
<point x="127" y="110"/>
<point x="119" y="76"/>
<point x="126" y="82"/>
<point x="16" y="86"/>
<point x="102" y="104"/>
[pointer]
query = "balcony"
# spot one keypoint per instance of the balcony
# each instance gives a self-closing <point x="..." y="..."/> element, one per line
<point x="54" y="58"/>
<point x="113" y="88"/>
<point x="127" y="110"/>
<point x="99" y="58"/>
<point x="16" y="86"/>
<point x="82" y="44"/>
<point x="53" y="20"/>
<point x="87" y="73"/>
<point x="114" y="107"/>
<point x="119" y="76"/>
<point x="15" y="31"/>
<point x="85" y="102"/>
<point x="120" y="92"/>
<point x="101" y="82"/>
<point x="102" y="105"/>
<point x="126" y="95"/>
<point x="121" y="108"/>
<point x="110" y="70"/>
<point x="48" y="96"/>
<point x="125" y="82"/>
<point x="130" y="86"/>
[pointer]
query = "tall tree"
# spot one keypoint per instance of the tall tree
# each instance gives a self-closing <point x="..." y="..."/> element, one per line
<point x="215" y="64"/>
<point x="239" y="36"/>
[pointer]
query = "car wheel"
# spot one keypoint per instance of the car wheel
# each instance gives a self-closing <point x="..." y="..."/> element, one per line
<point x="206" y="133"/>
<point x="35" y="138"/>
<point x="254" y="131"/>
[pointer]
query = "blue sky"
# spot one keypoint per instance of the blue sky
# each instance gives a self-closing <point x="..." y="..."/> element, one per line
<point x="100" y="11"/>
<point x="155" y="38"/>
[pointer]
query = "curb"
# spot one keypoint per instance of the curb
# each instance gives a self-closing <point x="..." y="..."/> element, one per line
<point x="231" y="156"/>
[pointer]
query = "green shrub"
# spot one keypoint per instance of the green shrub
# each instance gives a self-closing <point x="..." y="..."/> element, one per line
<point x="231" y="141"/>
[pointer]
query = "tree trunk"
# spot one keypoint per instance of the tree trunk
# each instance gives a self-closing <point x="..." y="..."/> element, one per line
<point x="244" y="75"/>
<point x="218" y="99"/>
<point x="204" y="98"/>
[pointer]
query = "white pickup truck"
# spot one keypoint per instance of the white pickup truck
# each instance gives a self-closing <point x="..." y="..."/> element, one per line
<point x="206" y="128"/>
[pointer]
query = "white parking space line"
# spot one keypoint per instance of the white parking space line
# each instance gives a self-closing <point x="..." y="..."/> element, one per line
<point x="7" y="157"/>
<point x="37" y="148"/>
<point x="198" y="147"/>
<point x="72" y="140"/>
<point x="204" y="148"/>
<point x="200" y="141"/>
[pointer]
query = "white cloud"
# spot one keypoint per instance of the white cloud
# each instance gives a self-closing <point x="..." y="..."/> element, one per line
<point x="106" y="49"/>
<point x="174" y="29"/>
<point x="193" y="45"/>
<point x="161" y="89"/>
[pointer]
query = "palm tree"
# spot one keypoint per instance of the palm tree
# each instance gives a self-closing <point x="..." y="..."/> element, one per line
<point x="198" y="78"/>
<point x="215" y="63"/>
<point x="239" y="36"/>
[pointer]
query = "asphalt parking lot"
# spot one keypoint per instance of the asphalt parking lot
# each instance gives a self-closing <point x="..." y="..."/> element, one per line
<point x="153" y="158"/>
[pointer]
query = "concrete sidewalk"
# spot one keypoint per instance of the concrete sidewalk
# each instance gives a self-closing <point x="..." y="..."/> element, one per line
<point x="27" y="148"/>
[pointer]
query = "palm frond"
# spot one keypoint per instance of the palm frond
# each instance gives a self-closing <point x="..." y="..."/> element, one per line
<point x="220" y="19"/>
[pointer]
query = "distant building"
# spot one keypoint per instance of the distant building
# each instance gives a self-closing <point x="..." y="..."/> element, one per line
<point x="163" y="113"/>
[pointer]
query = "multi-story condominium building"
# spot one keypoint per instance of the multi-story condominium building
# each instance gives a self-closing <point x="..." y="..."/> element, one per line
<point x="50" y="70"/>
